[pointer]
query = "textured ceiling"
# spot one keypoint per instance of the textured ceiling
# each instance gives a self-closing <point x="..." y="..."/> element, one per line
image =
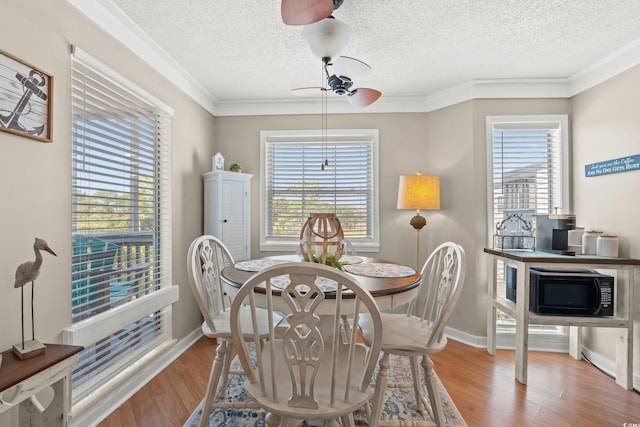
<point x="240" y="50"/>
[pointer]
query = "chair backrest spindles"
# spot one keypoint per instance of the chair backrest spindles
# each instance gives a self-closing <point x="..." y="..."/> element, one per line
<point x="207" y="256"/>
<point x="326" y="367"/>
<point x="442" y="278"/>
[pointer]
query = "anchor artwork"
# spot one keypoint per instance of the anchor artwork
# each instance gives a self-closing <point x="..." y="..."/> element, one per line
<point x="25" y="99"/>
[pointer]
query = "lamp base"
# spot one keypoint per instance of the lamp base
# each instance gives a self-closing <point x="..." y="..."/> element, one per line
<point x="418" y="221"/>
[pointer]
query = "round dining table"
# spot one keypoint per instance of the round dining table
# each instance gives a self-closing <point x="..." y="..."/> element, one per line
<point x="391" y="284"/>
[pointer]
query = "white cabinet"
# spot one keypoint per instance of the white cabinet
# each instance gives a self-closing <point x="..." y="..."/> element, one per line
<point x="227" y="210"/>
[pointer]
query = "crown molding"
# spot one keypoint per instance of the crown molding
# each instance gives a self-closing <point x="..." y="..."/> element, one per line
<point x="108" y="17"/>
<point x="606" y="68"/>
<point x="114" y="22"/>
<point x="335" y="105"/>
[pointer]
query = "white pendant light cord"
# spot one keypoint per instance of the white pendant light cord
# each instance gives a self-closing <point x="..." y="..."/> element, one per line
<point x="325" y="161"/>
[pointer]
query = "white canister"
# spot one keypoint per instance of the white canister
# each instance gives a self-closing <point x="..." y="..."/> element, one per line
<point x="607" y="245"/>
<point x="575" y="236"/>
<point x="576" y="249"/>
<point x="590" y="242"/>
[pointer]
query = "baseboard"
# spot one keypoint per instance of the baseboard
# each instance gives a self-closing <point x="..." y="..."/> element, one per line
<point x="540" y="342"/>
<point x="463" y="337"/>
<point x="103" y="404"/>
<point x="607" y="366"/>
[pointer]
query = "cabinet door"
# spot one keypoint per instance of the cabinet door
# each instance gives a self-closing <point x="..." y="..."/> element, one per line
<point x="227" y="200"/>
<point x="234" y="218"/>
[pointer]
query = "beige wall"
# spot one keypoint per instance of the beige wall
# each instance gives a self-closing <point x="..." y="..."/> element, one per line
<point x="403" y="150"/>
<point x="36" y="177"/>
<point x="481" y="109"/>
<point x="606" y="126"/>
<point x="35" y="184"/>
<point x="449" y="142"/>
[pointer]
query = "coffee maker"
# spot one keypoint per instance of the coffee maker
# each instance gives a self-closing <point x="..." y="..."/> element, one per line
<point x="552" y="233"/>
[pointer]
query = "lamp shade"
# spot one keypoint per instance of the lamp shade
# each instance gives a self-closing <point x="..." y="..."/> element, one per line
<point x="328" y="37"/>
<point x="419" y="192"/>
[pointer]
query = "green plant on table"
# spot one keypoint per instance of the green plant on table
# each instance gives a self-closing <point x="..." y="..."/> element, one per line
<point x="331" y="261"/>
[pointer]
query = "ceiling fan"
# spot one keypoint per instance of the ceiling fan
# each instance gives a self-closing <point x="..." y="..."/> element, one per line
<point x="303" y="12"/>
<point x="345" y="71"/>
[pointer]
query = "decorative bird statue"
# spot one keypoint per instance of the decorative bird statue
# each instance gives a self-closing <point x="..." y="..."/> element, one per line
<point x="28" y="272"/>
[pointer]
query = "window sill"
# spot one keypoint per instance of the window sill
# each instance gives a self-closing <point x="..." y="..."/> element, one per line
<point x="89" y="331"/>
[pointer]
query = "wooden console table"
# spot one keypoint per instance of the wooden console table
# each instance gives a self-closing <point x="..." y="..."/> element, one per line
<point x="20" y="380"/>
<point x="628" y="274"/>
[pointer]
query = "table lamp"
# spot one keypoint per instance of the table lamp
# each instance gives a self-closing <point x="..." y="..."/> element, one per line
<point x="419" y="192"/>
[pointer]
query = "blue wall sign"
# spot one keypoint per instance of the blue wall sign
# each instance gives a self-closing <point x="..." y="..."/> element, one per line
<point x="623" y="164"/>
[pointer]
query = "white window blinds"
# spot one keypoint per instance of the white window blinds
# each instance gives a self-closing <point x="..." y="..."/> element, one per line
<point x="120" y="200"/>
<point x="527" y="175"/>
<point x="305" y="174"/>
<point x="527" y="167"/>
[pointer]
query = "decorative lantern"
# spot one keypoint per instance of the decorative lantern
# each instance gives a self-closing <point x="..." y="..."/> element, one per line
<point x="321" y="239"/>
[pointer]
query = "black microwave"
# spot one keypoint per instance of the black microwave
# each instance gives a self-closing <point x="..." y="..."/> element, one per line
<point x="565" y="292"/>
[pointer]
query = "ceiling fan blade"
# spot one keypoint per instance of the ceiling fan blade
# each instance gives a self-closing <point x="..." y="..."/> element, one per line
<point x="363" y="97"/>
<point x="308" y="91"/>
<point x="353" y="69"/>
<point x="303" y="12"/>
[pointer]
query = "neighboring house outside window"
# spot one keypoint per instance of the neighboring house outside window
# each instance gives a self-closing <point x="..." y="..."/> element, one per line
<point x="120" y="293"/>
<point x="304" y="172"/>
<point x="527" y="176"/>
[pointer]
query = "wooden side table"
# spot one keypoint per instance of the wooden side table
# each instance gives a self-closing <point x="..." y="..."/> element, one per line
<point x="20" y="380"/>
<point x="628" y="278"/>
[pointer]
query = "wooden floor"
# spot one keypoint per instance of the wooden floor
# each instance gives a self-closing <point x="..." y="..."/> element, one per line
<point x="561" y="391"/>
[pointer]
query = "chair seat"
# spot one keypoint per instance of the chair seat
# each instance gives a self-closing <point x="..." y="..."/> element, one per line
<point x="357" y="398"/>
<point x="419" y="331"/>
<point x="402" y="334"/>
<point x="223" y="326"/>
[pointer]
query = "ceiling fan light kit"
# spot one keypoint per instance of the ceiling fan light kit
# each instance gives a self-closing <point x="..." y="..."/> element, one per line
<point x="328" y="37"/>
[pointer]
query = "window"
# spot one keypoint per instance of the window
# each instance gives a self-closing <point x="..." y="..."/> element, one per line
<point x="120" y="223"/>
<point x="527" y="170"/>
<point x="528" y="167"/>
<point x="304" y="172"/>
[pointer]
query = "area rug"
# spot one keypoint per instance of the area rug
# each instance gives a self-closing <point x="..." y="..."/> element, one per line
<point x="399" y="404"/>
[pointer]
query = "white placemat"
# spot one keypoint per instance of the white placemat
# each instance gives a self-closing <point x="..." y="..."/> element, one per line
<point x="257" y="264"/>
<point x="349" y="259"/>
<point x="327" y="285"/>
<point x="379" y="269"/>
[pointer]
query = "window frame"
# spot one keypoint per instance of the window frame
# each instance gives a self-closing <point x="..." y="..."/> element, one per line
<point x="316" y="136"/>
<point x="541" y="336"/>
<point x="97" y="327"/>
<point x="563" y="120"/>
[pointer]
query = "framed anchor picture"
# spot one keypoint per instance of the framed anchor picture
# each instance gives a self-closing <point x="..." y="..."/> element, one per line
<point x="25" y="99"/>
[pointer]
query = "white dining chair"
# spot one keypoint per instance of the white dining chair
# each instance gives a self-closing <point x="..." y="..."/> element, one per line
<point x="420" y="331"/>
<point x="348" y="248"/>
<point x="207" y="256"/>
<point x="313" y="372"/>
